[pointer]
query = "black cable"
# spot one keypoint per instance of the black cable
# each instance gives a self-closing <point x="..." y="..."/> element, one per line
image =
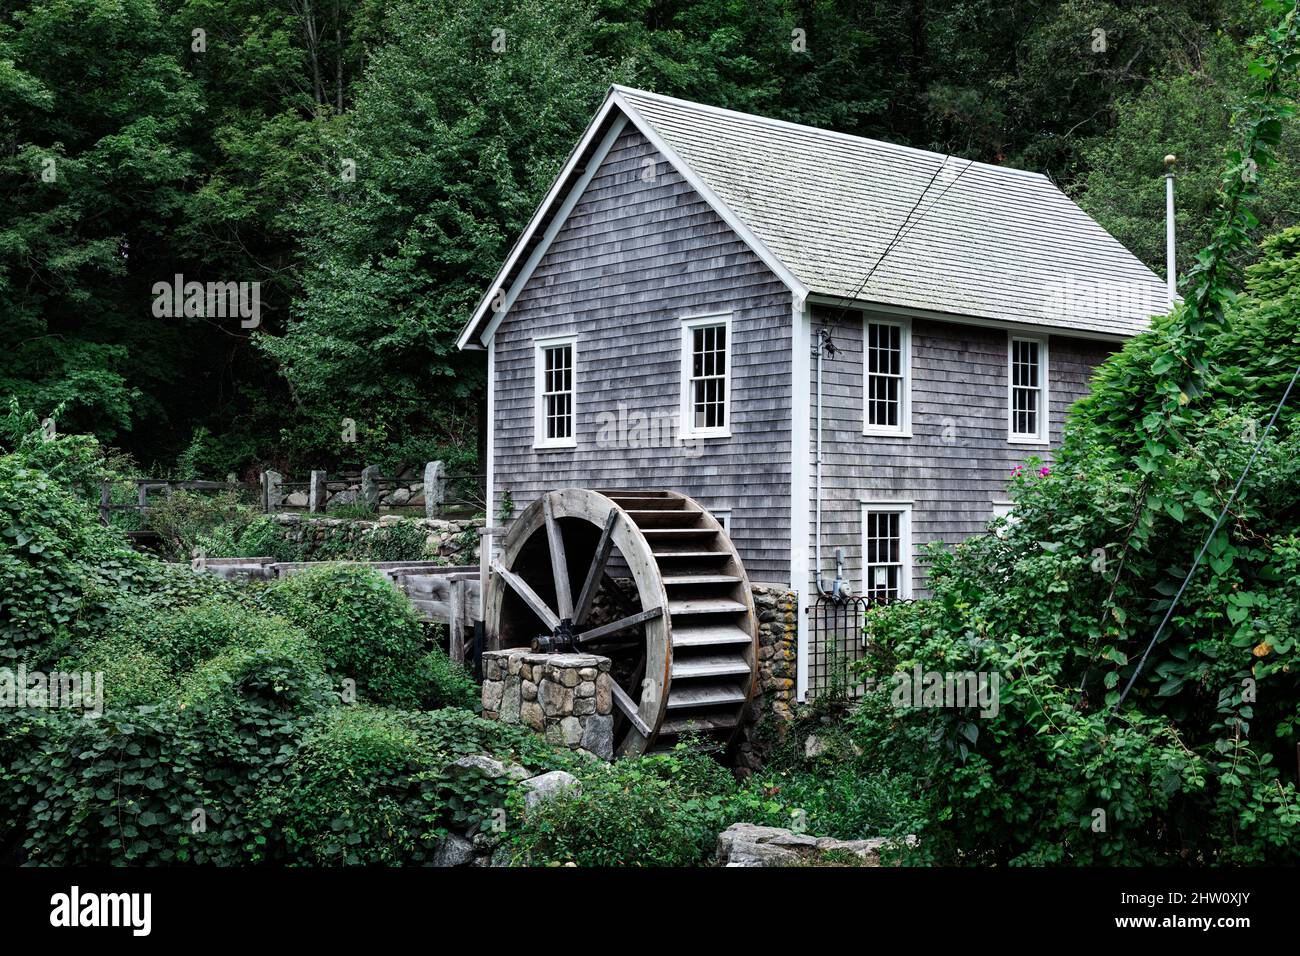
<point x="1213" y="531"/>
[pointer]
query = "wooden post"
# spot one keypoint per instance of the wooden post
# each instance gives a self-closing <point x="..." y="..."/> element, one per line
<point x="370" y="486"/>
<point x="142" y="496"/>
<point x="484" y="572"/>
<point x="272" y="495"/>
<point x="435" y="489"/>
<point x="456" y="621"/>
<point x="104" y="499"/>
<point x="316" y="493"/>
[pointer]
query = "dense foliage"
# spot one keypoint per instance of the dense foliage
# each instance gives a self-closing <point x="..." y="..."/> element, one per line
<point x="1068" y="603"/>
<point x="370" y="164"/>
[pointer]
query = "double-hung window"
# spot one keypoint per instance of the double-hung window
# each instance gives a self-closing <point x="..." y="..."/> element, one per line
<point x="1027" y="408"/>
<point x="706" y="377"/>
<point x="555" y="392"/>
<point x="886" y="551"/>
<point x="887" y="375"/>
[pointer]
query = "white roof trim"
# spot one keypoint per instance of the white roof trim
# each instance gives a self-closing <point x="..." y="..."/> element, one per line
<point x="797" y="288"/>
<point x="1062" y="331"/>
<point x="614" y="99"/>
<point x="557" y="187"/>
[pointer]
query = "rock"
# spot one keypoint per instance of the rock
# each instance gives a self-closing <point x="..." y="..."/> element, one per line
<point x="400" y="496"/>
<point x="746" y="844"/>
<point x="530" y="712"/>
<point x="528" y="689"/>
<point x="814" y="747"/>
<point x="297" y="499"/>
<point x="598" y="737"/>
<point x="487" y="767"/>
<point x="584" y="706"/>
<point x="571" y="728"/>
<point x="348" y="497"/>
<point x="510" y="701"/>
<point x="554" y="697"/>
<point x="604" y="694"/>
<point x="492" y="691"/>
<point x="390" y="519"/>
<point x="547" y="786"/>
<point x="586" y="689"/>
<point x="453" y="850"/>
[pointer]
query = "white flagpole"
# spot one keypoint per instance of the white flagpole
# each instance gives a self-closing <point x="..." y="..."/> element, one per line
<point x="1171" y="268"/>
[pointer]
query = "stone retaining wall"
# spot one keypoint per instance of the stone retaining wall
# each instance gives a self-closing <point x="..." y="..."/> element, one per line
<point x="771" y="710"/>
<point x="456" y="542"/>
<point x="566" y="697"/>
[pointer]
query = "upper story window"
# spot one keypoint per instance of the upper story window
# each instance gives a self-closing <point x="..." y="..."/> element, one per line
<point x="887" y="551"/>
<point x="555" y="392"/>
<point x="706" y="376"/>
<point x="887" y="378"/>
<point x="1027" y="408"/>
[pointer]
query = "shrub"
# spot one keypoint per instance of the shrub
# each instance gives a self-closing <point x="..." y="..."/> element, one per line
<point x="362" y="790"/>
<point x="367" y="631"/>
<point x="444" y="683"/>
<point x="656" y="810"/>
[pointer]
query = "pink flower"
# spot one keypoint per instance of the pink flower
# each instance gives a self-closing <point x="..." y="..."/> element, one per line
<point x="1017" y="471"/>
<point x="1044" y="471"/>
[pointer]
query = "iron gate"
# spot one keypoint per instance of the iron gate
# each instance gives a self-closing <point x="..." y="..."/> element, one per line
<point x="836" y="642"/>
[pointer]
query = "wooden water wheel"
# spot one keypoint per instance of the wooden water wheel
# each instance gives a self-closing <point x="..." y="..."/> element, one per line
<point x="682" y="638"/>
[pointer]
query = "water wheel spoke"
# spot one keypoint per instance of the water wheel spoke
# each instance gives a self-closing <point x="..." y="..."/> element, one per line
<point x="629" y="709"/>
<point x="597" y="570"/>
<point x="529" y="596"/>
<point x="559" y="561"/>
<point x="622" y="624"/>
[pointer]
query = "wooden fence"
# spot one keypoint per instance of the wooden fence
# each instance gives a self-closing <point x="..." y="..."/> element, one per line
<point x="443" y="494"/>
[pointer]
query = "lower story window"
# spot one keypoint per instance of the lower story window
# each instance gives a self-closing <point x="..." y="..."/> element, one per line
<point x="887" y="551"/>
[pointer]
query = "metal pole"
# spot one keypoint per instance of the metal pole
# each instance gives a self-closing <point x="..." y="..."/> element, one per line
<point x="1171" y="267"/>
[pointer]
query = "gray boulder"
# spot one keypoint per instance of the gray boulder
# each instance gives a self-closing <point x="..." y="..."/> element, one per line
<point x="747" y="844"/>
<point x="453" y="850"/>
<point x="547" y="786"/>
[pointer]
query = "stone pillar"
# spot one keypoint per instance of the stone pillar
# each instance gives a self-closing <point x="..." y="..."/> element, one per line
<point x="272" y="495"/>
<point x="773" y="704"/>
<point x="566" y="697"/>
<point x="317" y="496"/>
<point x="370" y="486"/>
<point x="435" y="489"/>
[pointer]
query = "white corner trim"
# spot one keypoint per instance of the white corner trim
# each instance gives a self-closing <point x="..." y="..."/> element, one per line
<point x="800" y="490"/>
<point x="489" y="521"/>
<point x="797" y="288"/>
<point x="689" y="323"/>
<point x="557" y="189"/>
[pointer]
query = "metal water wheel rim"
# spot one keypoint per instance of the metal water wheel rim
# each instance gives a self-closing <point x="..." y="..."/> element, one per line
<point x="695" y="607"/>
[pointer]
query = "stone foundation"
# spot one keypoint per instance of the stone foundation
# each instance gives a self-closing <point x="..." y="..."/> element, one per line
<point x="771" y="710"/>
<point x="566" y="697"/>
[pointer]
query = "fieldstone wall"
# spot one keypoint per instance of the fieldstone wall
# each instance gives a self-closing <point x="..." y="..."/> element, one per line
<point x="771" y="710"/>
<point x="454" y="541"/>
<point x="566" y="697"/>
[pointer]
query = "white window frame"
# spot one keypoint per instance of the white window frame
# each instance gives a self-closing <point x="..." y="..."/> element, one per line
<point x="904" y="427"/>
<point x="540" y="441"/>
<point x="904" y="510"/>
<point x="724" y="518"/>
<point x="1042" y="435"/>
<point x="687" y="409"/>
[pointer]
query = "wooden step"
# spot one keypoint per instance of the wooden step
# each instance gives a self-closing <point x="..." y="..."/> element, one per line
<point x="710" y="666"/>
<point x="699" y="725"/>
<point x="686" y="580"/>
<point x="705" y="606"/>
<point x="716" y="636"/>
<point x="633" y="502"/>
<point x="693" y="555"/>
<point x="664" y="517"/>
<point x="674" y="535"/>
<point x="704" y="695"/>
<point x="615" y="494"/>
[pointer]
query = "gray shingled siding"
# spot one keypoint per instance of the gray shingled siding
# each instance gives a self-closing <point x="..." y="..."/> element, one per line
<point x="632" y="259"/>
<point x="958" y="461"/>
